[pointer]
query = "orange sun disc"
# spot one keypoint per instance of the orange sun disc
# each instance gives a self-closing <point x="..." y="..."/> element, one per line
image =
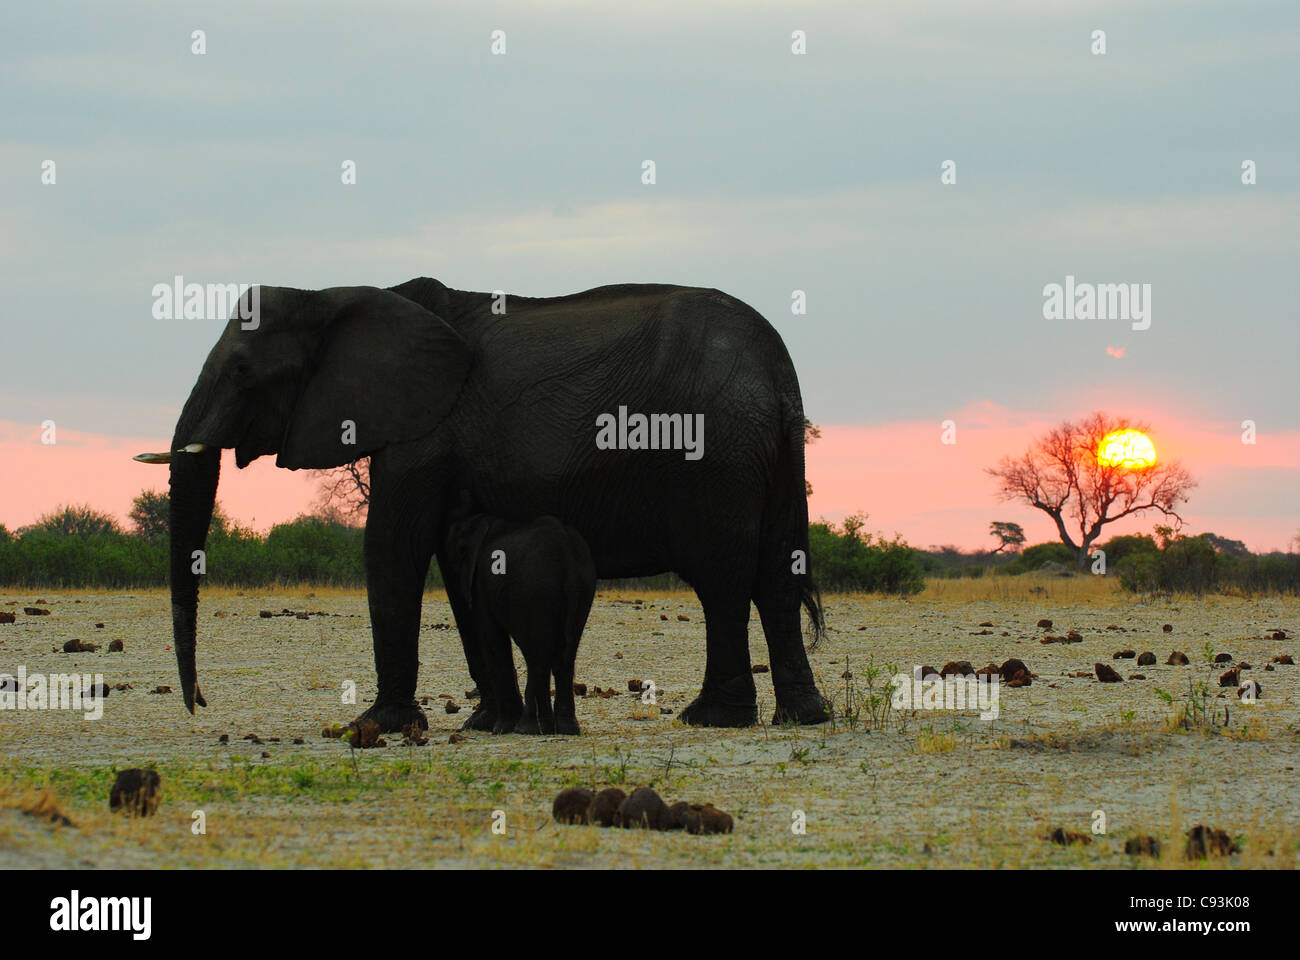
<point x="1128" y="449"/>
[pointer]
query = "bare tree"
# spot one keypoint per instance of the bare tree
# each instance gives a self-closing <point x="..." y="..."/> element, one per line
<point x="1065" y="475"/>
<point x="344" y="492"/>
<point x="1011" y="536"/>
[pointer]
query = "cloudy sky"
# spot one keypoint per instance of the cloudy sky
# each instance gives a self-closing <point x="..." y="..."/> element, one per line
<point x="775" y="172"/>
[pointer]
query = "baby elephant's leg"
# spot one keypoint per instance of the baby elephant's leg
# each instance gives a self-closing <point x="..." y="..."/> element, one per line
<point x="537" y="717"/>
<point x="566" y="715"/>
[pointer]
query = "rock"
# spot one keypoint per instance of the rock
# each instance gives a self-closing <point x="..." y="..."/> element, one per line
<point x="1203" y="841"/>
<point x="1143" y="845"/>
<point x="136" y="793"/>
<point x="161" y="688"/>
<point x="35" y="612"/>
<point x="1106" y="674"/>
<point x="1229" y="678"/>
<point x="644" y="810"/>
<point x="760" y="668"/>
<point x="1074" y="636"/>
<point x="579" y="689"/>
<point x="1066" y="837"/>
<point x="571" y="805"/>
<point x="1223" y="658"/>
<point x="116" y="646"/>
<point x="1045" y="624"/>
<point x="1284" y="658"/>
<point x="1177" y="659"/>
<point x="1124" y="655"/>
<point x="79" y="646"/>
<point x="955" y="668"/>
<point x="7" y="617"/>
<point x="1146" y="659"/>
<point x="604" y="806"/>
<point x="1250" y="690"/>
<point x="451" y="706"/>
<point x="1168" y="628"/>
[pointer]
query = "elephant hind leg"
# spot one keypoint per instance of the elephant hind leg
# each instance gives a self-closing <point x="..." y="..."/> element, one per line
<point x="797" y="698"/>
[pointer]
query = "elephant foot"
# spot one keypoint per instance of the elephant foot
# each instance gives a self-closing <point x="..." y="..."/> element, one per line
<point x="733" y="704"/>
<point x="392" y="717"/>
<point x="484" y="717"/>
<point x="567" y="726"/>
<point x="802" y="706"/>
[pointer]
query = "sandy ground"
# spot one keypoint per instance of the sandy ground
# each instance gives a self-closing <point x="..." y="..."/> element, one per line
<point x="920" y="788"/>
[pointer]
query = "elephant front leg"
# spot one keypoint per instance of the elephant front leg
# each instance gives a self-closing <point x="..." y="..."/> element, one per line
<point x="729" y="698"/>
<point x="395" y="571"/>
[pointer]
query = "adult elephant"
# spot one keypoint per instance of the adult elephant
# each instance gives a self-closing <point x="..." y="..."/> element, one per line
<point x="462" y="397"/>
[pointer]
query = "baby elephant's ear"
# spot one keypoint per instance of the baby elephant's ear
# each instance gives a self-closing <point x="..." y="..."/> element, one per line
<point x="385" y="370"/>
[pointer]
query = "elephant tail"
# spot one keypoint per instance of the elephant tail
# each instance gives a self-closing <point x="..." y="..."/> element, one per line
<point x="795" y="516"/>
<point x="812" y="602"/>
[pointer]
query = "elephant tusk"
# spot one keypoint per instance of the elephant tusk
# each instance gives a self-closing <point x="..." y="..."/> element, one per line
<point x="153" y="457"/>
<point x="193" y="448"/>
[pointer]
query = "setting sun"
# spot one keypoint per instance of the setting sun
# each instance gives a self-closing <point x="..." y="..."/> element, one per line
<point x="1130" y="449"/>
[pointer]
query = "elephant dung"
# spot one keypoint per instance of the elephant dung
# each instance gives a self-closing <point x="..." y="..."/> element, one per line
<point x="7" y="617"/>
<point x="79" y="646"/>
<point x="1177" y="659"/>
<point x="701" y="818"/>
<point x="1146" y="659"/>
<point x="1106" y="674"/>
<point x="644" y="810"/>
<point x="1124" y="655"/>
<point x="955" y="668"/>
<point x="1143" y="845"/>
<point x="1045" y="624"/>
<point x="1203" y="841"/>
<point x="136" y="792"/>
<point x="604" y="806"/>
<point x="571" y="805"/>
<point x="116" y="646"/>
<point x="35" y="612"/>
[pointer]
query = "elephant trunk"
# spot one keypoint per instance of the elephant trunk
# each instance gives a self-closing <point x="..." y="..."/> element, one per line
<point x="193" y="495"/>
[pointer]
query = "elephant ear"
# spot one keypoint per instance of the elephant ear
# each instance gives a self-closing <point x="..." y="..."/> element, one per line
<point x="386" y="370"/>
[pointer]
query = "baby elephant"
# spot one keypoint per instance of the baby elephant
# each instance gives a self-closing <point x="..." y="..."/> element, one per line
<point x="534" y="582"/>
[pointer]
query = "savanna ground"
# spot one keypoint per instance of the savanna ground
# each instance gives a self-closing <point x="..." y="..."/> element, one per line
<point x="879" y="788"/>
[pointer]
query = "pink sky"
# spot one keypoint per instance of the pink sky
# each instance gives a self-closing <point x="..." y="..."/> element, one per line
<point x="899" y="473"/>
